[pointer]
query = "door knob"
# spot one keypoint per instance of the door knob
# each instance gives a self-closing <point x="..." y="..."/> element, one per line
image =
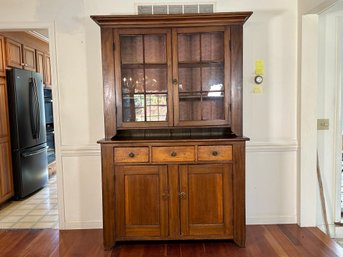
<point x="173" y="154"/>
<point x="131" y="154"/>
<point x="182" y="195"/>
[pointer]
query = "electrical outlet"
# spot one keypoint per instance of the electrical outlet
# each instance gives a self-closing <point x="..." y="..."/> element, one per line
<point x="323" y="124"/>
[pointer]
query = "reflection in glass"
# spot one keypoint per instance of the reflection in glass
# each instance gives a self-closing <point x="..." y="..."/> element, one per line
<point x="132" y="80"/>
<point x="133" y="106"/>
<point x="212" y="76"/>
<point x="156" y="107"/>
<point x="156" y="80"/>
<point x="189" y="79"/>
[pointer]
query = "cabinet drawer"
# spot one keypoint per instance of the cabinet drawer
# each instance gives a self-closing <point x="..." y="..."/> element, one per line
<point x="215" y="153"/>
<point x="173" y="154"/>
<point x="131" y="154"/>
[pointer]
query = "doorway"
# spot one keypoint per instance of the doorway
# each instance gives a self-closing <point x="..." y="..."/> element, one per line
<point x="38" y="209"/>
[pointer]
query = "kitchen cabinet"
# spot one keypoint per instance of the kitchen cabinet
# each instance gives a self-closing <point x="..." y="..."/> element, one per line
<point x="29" y="58"/>
<point x="2" y="57"/>
<point x="14" y="54"/>
<point x="44" y="66"/>
<point x="173" y="156"/>
<point x="40" y="62"/>
<point x="47" y="70"/>
<point x="6" y="181"/>
<point x="20" y="56"/>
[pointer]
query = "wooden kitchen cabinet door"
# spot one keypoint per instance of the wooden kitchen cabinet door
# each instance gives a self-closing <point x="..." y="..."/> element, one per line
<point x="40" y="62"/>
<point x="29" y="58"/>
<point x="4" y="119"/>
<point x="14" y="56"/>
<point x="47" y="69"/>
<point x="6" y="179"/>
<point x="206" y="200"/>
<point x="142" y="201"/>
<point x="2" y="57"/>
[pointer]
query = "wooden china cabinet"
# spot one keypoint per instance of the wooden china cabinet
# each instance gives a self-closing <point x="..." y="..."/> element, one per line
<point x="173" y="157"/>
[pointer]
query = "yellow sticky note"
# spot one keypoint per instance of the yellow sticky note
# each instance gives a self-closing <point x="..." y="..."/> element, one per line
<point x="259" y="67"/>
<point x="257" y="89"/>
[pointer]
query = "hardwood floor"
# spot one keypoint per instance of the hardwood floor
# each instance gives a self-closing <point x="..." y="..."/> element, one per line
<point x="262" y="241"/>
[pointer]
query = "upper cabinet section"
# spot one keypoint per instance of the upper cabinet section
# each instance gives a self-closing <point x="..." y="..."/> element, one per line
<point x="27" y="52"/>
<point x="172" y="71"/>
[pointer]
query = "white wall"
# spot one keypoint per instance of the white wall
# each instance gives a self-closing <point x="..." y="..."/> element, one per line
<point x="269" y="118"/>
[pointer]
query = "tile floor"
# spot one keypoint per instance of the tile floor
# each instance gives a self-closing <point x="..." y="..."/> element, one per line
<point x="37" y="211"/>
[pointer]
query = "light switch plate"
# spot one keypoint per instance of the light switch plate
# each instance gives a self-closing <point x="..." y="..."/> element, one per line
<point x="323" y="124"/>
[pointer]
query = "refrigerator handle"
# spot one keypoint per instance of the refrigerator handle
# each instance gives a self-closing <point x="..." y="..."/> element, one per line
<point x="35" y="152"/>
<point x="38" y="110"/>
<point x="32" y="100"/>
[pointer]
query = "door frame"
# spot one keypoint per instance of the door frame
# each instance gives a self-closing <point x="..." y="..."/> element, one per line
<point x="50" y="26"/>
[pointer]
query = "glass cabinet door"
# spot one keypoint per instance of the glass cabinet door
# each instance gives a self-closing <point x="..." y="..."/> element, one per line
<point x="201" y="77"/>
<point x="145" y="79"/>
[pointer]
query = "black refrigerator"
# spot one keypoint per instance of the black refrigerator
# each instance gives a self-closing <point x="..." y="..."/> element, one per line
<point x="28" y="135"/>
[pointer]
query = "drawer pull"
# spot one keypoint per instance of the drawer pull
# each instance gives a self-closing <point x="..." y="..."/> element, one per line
<point x="131" y="154"/>
<point x="215" y="153"/>
<point x="173" y="154"/>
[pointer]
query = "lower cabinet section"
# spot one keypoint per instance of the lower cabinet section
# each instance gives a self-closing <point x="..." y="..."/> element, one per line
<point x="162" y="196"/>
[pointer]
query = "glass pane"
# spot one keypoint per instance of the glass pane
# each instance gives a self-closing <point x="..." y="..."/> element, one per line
<point x="189" y="79"/>
<point x="132" y="80"/>
<point x="189" y="47"/>
<point x="212" y="46"/>
<point x="155" y="48"/>
<point x="156" y="80"/>
<point x="213" y="106"/>
<point x="213" y="78"/>
<point x="190" y="106"/>
<point x="156" y="107"/>
<point x="133" y="107"/>
<point x="131" y="49"/>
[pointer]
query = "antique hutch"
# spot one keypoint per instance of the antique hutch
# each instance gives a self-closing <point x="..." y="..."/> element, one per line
<point x="173" y="157"/>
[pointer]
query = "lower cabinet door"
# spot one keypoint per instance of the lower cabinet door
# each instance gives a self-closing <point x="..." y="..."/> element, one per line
<point x="141" y="201"/>
<point x="6" y="179"/>
<point x="206" y="200"/>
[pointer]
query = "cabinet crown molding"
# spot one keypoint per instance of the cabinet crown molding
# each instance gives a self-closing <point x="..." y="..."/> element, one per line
<point x="167" y="20"/>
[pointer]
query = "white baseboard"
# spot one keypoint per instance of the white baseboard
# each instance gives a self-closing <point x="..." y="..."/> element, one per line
<point x="269" y="220"/>
<point x="81" y="225"/>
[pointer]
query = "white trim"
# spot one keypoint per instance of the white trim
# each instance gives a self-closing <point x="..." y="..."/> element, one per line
<point x="24" y="26"/>
<point x="96" y="224"/>
<point x="274" y="219"/>
<point x="81" y="150"/>
<point x="38" y="35"/>
<point x="277" y="146"/>
<point x="307" y="185"/>
<point x="337" y="127"/>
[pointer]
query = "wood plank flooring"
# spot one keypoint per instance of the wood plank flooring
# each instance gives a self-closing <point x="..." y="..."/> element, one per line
<point x="262" y="241"/>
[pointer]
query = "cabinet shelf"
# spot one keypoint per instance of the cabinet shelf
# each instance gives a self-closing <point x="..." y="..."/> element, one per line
<point x="201" y="64"/>
<point x="144" y="65"/>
